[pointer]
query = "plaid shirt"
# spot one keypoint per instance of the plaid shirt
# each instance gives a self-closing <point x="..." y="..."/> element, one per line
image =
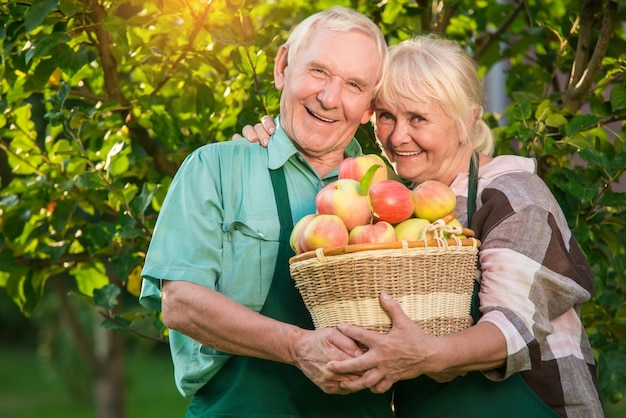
<point x="533" y="278"/>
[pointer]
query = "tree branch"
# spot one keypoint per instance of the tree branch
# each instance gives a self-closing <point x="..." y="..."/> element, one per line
<point x="581" y="80"/>
<point x="495" y="36"/>
<point x="199" y="22"/>
<point x="138" y="133"/>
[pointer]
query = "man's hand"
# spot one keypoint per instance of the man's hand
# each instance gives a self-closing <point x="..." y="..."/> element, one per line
<point x="316" y="349"/>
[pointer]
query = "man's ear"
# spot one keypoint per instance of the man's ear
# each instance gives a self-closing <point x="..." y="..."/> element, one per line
<point x="367" y="116"/>
<point x="280" y="65"/>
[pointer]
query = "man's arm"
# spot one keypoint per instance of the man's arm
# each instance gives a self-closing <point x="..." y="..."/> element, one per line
<point x="219" y="322"/>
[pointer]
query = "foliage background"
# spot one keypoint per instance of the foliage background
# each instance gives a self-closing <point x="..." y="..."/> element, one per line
<point x="101" y="100"/>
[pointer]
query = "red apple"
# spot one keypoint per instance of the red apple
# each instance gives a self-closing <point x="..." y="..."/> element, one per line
<point x="355" y="167"/>
<point x="296" y="233"/>
<point x="413" y="230"/>
<point x="344" y="199"/>
<point x="323" y="231"/>
<point x="391" y="201"/>
<point x="433" y="200"/>
<point x="373" y="233"/>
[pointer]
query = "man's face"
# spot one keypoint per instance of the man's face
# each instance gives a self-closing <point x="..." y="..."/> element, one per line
<point x="327" y="90"/>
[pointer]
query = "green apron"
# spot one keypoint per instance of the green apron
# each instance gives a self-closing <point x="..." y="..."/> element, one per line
<point x="247" y="387"/>
<point x="472" y="395"/>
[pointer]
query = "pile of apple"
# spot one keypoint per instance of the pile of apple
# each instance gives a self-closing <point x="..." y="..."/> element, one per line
<point x="366" y="206"/>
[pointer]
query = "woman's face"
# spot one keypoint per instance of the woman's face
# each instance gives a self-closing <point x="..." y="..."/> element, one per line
<point x="422" y="141"/>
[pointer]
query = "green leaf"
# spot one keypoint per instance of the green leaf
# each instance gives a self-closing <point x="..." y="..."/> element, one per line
<point x="42" y="46"/>
<point x="142" y="201"/>
<point x="618" y="97"/>
<point x="70" y="7"/>
<point x="106" y="296"/>
<point x="37" y="13"/>
<point x="522" y="111"/>
<point x="593" y="156"/>
<point x="556" y="120"/>
<point x="581" y="123"/>
<point x="69" y="60"/>
<point x="91" y="181"/>
<point x="612" y="199"/>
<point x="366" y="180"/>
<point x="90" y="277"/>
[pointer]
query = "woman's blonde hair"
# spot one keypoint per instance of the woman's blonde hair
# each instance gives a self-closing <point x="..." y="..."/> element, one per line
<point x="336" y="19"/>
<point x="429" y="68"/>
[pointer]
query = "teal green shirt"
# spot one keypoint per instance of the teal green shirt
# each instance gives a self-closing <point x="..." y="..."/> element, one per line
<point x="219" y="228"/>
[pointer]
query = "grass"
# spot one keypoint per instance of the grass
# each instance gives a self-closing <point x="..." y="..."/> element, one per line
<point x="28" y="391"/>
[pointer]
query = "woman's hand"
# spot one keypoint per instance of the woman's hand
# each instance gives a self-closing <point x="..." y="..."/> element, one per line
<point x="403" y="353"/>
<point x="260" y="132"/>
<point x="406" y="352"/>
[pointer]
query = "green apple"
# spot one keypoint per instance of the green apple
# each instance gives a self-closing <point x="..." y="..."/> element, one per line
<point x="413" y="229"/>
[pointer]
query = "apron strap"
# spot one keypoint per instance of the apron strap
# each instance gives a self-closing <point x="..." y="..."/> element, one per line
<point x="282" y="203"/>
<point x="472" y="194"/>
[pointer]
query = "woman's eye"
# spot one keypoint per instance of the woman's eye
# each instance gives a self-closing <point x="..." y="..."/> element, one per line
<point x="384" y="118"/>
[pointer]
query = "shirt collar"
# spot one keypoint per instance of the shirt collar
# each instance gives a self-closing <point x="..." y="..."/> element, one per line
<point x="280" y="148"/>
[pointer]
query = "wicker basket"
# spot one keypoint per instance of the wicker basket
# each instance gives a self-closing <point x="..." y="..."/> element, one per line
<point x="431" y="279"/>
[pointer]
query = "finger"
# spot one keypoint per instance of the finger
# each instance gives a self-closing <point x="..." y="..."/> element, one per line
<point x="393" y="308"/>
<point x="362" y="335"/>
<point x="369" y="380"/>
<point x="249" y="133"/>
<point x="381" y="387"/>
<point x="268" y="124"/>
<point x="262" y="134"/>
<point x="347" y="345"/>
<point x="237" y="136"/>
<point x="356" y="365"/>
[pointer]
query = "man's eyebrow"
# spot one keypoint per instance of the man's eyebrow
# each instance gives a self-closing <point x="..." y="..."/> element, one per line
<point x="358" y="80"/>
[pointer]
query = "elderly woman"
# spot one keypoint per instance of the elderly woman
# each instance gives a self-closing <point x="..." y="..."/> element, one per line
<point x="527" y="353"/>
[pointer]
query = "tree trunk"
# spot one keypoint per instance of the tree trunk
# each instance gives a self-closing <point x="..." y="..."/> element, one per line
<point x="109" y="384"/>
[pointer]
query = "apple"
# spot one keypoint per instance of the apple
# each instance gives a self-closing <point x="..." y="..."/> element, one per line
<point x="296" y="232"/>
<point x="413" y="230"/>
<point x="373" y="233"/>
<point x="355" y="167"/>
<point x="457" y="224"/>
<point x="323" y="231"/>
<point x="344" y="198"/>
<point x="391" y="201"/>
<point x="433" y="200"/>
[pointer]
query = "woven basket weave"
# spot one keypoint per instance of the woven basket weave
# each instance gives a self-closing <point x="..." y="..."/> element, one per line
<point x="431" y="279"/>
